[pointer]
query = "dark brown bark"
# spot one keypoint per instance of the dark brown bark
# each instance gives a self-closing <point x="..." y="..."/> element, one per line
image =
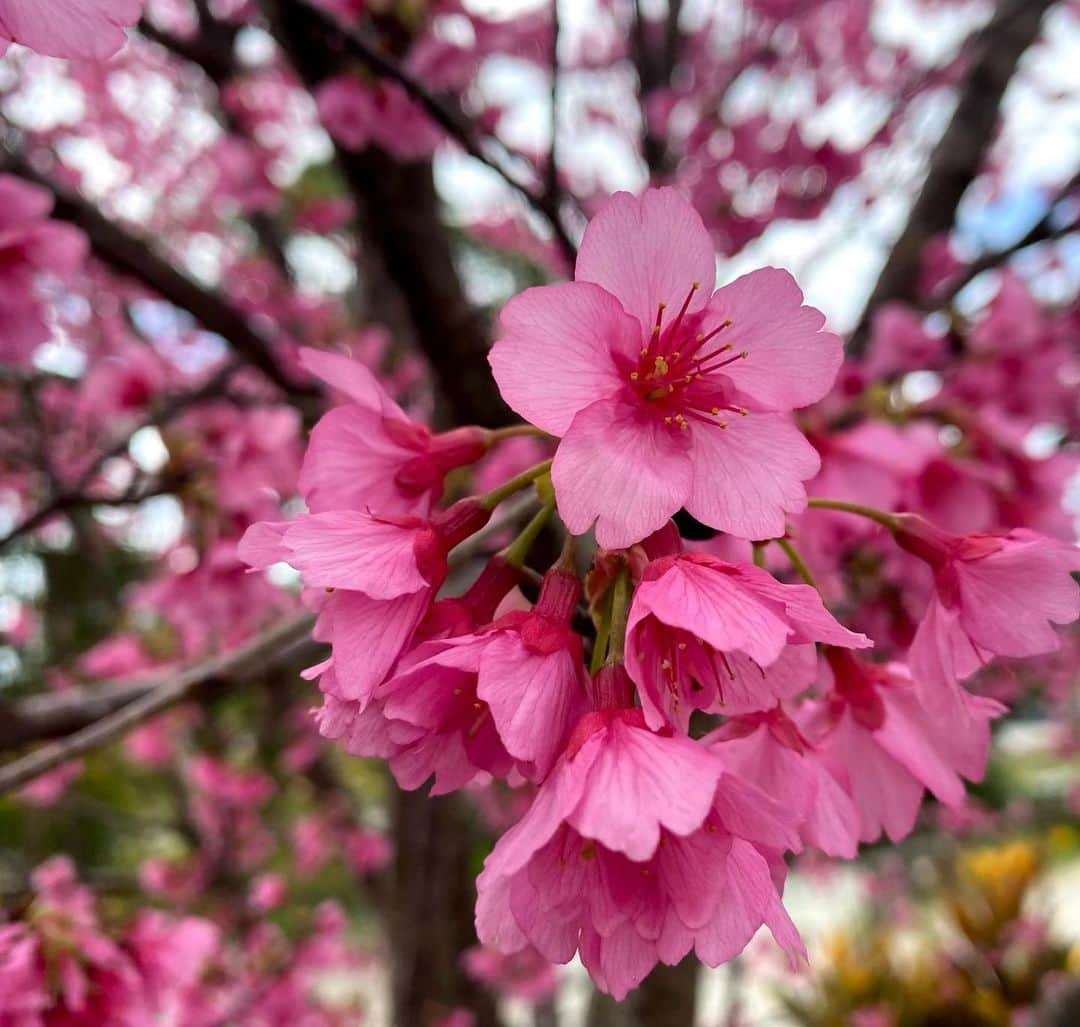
<point x="430" y="918"/>
<point x="957" y="159"/>
<point x="400" y="219"/>
<point x="666" y="998"/>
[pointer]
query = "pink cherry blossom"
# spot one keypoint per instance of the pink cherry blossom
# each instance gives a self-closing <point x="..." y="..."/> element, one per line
<point x="369" y="454"/>
<point x="638" y="847"/>
<point x="92" y="29"/>
<point x="30" y="244"/>
<point x="358" y="113"/>
<point x="658" y="410"/>
<point x="995" y="595"/>
<point x="884" y="744"/>
<point x="768" y="749"/>
<point x="708" y="635"/>
<point x="382" y="574"/>
<point x="524" y="672"/>
<point x="486" y="701"/>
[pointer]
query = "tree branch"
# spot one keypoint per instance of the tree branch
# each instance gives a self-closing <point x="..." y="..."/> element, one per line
<point x="135" y="257"/>
<point x="450" y="120"/>
<point x="266" y="652"/>
<point x="994" y="54"/>
<point x="101" y="713"/>
<point x="400" y="224"/>
<point x="77" y="496"/>
<point x="1047" y="229"/>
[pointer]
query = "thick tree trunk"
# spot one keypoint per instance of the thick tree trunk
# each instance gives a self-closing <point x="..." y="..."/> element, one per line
<point x="430" y="918"/>
<point x="400" y="220"/>
<point x="666" y="998"/>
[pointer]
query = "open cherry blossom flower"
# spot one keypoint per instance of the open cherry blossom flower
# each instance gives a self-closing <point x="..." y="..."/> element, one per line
<point x="666" y="394"/>
<point x="704" y="634"/>
<point x="503" y="696"/>
<point x="381" y="575"/>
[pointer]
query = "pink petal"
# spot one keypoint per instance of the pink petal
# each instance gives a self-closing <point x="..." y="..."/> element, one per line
<point x="1010" y="598"/>
<point x="352" y="550"/>
<point x="535" y="698"/>
<point x="368" y="635"/>
<point x="263" y="544"/>
<point x="714" y="606"/>
<point x="804" y="608"/>
<point x="646" y="251"/>
<point x="622" y="470"/>
<point x="554" y="802"/>
<point x="348" y="375"/>
<point x="790" y="361"/>
<point x="619" y="962"/>
<point x="941" y="652"/>
<point x="92" y="29"/>
<point x="832" y="823"/>
<point x="886" y="795"/>
<point x="905" y="736"/>
<point x="748" y="477"/>
<point x="554" y="351"/>
<point x="495" y="924"/>
<point x="350" y="464"/>
<point x="642" y="782"/>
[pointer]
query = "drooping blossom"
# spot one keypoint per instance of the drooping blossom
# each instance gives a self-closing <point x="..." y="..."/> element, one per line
<point x="91" y="29"/>
<point x="30" y="244"/>
<point x="769" y="749"/>
<point x="381" y="573"/>
<point x="994" y="595"/>
<point x="524" y="673"/>
<point x="638" y="848"/>
<point x="884" y="744"/>
<point x="664" y="393"/>
<point x="369" y="454"/>
<point x="504" y="696"/>
<point x="704" y="634"/>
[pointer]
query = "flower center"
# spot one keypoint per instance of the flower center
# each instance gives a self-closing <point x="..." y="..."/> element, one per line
<point x="678" y="373"/>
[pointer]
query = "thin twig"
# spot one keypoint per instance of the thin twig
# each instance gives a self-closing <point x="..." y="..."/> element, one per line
<point x="76" y="495"/>
<point x="1045" y="230"/>
<point x="552" y="187"/>
<point x="451" y="121"/>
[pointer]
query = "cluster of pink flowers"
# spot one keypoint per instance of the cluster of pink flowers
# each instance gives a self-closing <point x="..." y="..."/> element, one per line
<point x="61" y="967"/>
<point x="646" y="839"/>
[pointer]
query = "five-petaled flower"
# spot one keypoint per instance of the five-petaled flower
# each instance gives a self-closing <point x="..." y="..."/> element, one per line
<point x="666" y="394"/>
